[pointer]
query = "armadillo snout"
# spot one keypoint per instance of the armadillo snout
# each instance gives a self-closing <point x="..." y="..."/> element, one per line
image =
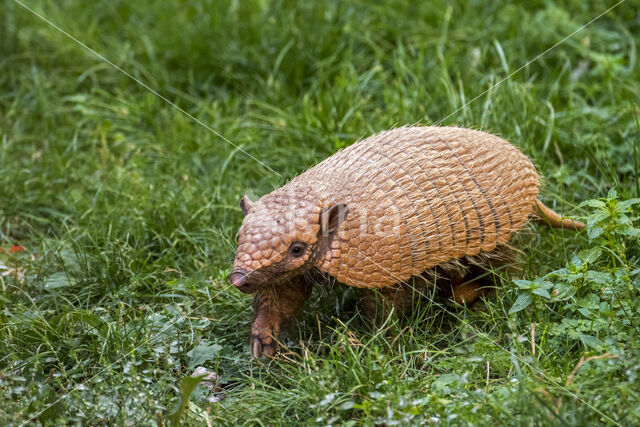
<point x="239" y="279"/>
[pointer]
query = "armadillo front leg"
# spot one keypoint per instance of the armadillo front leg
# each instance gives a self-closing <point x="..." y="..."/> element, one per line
<point x="273" y="306"/>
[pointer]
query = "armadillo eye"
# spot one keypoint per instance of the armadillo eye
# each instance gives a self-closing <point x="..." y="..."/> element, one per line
<point x="297" y="249"/>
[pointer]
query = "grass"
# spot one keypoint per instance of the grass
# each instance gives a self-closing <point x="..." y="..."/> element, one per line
<point x="128" y="209"/>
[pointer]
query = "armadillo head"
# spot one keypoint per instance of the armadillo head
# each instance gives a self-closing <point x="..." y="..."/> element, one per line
<point x="282" y="236"/>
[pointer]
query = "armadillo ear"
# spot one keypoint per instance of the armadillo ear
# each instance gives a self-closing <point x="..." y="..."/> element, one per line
<point x="330" y="219"/>
<point x="245" y="205"/>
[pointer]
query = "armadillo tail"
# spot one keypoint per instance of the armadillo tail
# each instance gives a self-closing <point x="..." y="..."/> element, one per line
<point x="554" y="219"/>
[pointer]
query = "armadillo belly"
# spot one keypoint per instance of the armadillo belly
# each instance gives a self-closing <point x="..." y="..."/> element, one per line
<point x="418" y="197"/>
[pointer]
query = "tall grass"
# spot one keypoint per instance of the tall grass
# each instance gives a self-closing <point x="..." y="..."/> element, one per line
<point x="127" y="208"/>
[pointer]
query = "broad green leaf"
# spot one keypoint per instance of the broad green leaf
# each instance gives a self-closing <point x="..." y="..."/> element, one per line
<point x="604" y="307"/>
<point x="591" y="255"/>
<point x="542" y="292"/>
<point x="523" y="284"/>
<point x="57" y="280"/>
<point x="623" y="219"/>
<point x="594" y="233"/>
<point x="347" y="405"/>
<point x="186" y="388"/>
<point x="202" y="353"/>
<point x="573" y="278"/>
<point x="590" y="341"/>
<point x="576" y="261"/>
<point x="591" y="301"/>
<point x="445" y="379"/>
<point x="563" y="292"/>
<point x="599" y="277"/>
<point x="559" y="273"/>
<point x="626" y="204"/>
<point x="521" y="303"/>
<point x="70" y="259"/>
<point x="627" y="230"/>
<point x="593" y="203"/>
<point x="585" y="312"/>
<point x="540" y="283"/>
<point x="596" y="218"/>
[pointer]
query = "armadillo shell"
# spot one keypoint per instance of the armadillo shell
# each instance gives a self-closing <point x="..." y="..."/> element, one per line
<point x="418" y="197"/>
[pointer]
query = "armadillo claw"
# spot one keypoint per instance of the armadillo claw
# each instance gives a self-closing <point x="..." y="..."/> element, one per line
<point x="261" y="345"/>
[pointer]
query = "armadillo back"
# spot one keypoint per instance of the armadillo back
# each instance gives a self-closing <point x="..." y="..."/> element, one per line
<point x="418" y="197"/>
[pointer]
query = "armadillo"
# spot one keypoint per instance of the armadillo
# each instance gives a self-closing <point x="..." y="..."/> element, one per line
<point x="380" y="212"/>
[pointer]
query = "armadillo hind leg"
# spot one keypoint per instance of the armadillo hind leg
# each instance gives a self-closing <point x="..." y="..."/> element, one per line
<point x="462" y="280"/>
<point x="467" y="293"/>
<point x="466" y="279"/>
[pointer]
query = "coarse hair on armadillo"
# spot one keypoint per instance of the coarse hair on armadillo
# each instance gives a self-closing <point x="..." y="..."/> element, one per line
<point x="391" y="207"/>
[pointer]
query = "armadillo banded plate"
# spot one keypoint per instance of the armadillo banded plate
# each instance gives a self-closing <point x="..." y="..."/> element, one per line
<point x="418" y="197"/>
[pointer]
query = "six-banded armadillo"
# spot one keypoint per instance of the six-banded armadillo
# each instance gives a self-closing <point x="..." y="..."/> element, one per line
<point x="380" y="212"/>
